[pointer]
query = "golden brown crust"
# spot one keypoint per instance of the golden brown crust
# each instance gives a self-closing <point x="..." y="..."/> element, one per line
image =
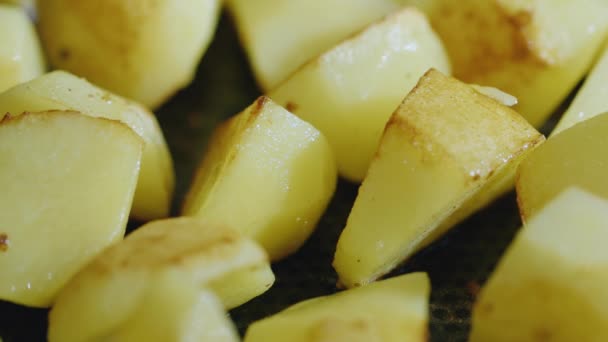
<point x="4" y="242"/>
<point x="10" y="119"/>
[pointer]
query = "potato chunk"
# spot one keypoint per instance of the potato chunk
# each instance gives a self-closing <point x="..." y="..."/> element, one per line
<point x="67" y="185"/>
<point x="279" y="36"/>
<point x="395" y="309"/>
<point x="446" y="152"/>
<point x="591" y="99"/>
<point x="175" y="309"/>
<point x="536" y="50"/>
<point x="21" y="58"/>
<point x="145" y="50"/>
<point x="60" y="90"/>
<point x="106" y="294"/>
<point x="266" y="173"/>
<point x="350" y="91"/>
<point x="568" y="159"/>
<point x="550" y="284"/>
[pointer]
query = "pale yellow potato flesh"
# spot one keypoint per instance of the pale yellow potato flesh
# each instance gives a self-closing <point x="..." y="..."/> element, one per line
<point x="21" y="57"/>
<point x="25" y="3"/>
<point x="241" y="285"/>
<point x="267" y="174"/>
<point x="279" y="36"/>
<point x="535" y="50"/>
<point x="395" y="309"/>
<point x="60" y="90"/>
<point x="106" y="294"/>
<point x="446" y="152"/>
<point x="350" y="91"/>
<point x="174" y="309"/>
<point x="591" y="99"/>
<point x="145" y="50"/>
<point x="67" y="183"/>
<point x="550" y="284"/>
<point x="575" y="157"/>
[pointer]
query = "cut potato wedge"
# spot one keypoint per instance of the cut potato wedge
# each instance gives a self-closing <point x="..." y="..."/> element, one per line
<point x="591" y="99"/>
<point x="67" y="185"/>
<point x="266" y="173"/>
<point x="550" y="284"/>
<point x="106" y="294"/>
<point x="60" y="90"/>
<point x="535" y="50"/>
<point x="446" y="152"/>
<point x="140" y="49"/>
<point x="175" y="309"/>
<point x="350" y="92"/>
<point x="572" y="158"/>
<point x="395" y="309"/>
<point x="21" y="57"/>
<point x="278" y="35"/>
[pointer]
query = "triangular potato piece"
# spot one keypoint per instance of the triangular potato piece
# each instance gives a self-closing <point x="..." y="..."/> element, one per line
<point x="350" y="91"/>
<point x="67" y="183"/>
<point x="550" y="284"/>
<point x="266" y="173"/>
<point x="60" y="90"/>
<point x="574" y="157"/>
<point x="278" y="36"/>
<point x="446" y="152"/>
<point x="535" y="50"/>
<point x="103" y="296"/>
<point x="142" y="50"/>
<point x="395" y="309"/>
<point x="175" y="309"/>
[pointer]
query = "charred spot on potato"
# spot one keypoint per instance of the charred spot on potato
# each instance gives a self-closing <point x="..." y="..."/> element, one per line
<point x="542" y="335"/>
<point x="521" y="19"/>
<point x="259" y="104"/>
<point x="473" y="287"/>
<point x="7" y="116"/>
<point x="475" y="175"/>
<point x="291" y="106"/>
<point x="4" y="242"/>
<point x="487" y="308"/>
<point x="64" y="54"/>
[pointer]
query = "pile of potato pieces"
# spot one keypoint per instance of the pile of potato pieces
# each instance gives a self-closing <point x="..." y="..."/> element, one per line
<point x="282" y="159"/>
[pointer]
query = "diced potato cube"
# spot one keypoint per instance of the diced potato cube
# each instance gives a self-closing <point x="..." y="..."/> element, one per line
<point x="268" y="174"/>
<point x="550" y="284"/>
<point x="278" y="35"/>
<point x="140" y="49"/>
<point x="446" y="152"/>
<point x="350" y="91"/>
<point x="536" y="50"/>
<point x="67" y="185"/>
<point x="572" y="158"/>
<point x="591" y="99"/>
<point x="106" y="294"/>
<point x="390" y="310"/>
<point x="21" y="58"/>
<point x="60" y="90"/>
<point x="175" y="309"/>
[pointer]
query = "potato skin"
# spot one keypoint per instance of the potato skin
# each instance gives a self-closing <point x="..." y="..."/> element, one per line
<point x="144" y="49"/>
